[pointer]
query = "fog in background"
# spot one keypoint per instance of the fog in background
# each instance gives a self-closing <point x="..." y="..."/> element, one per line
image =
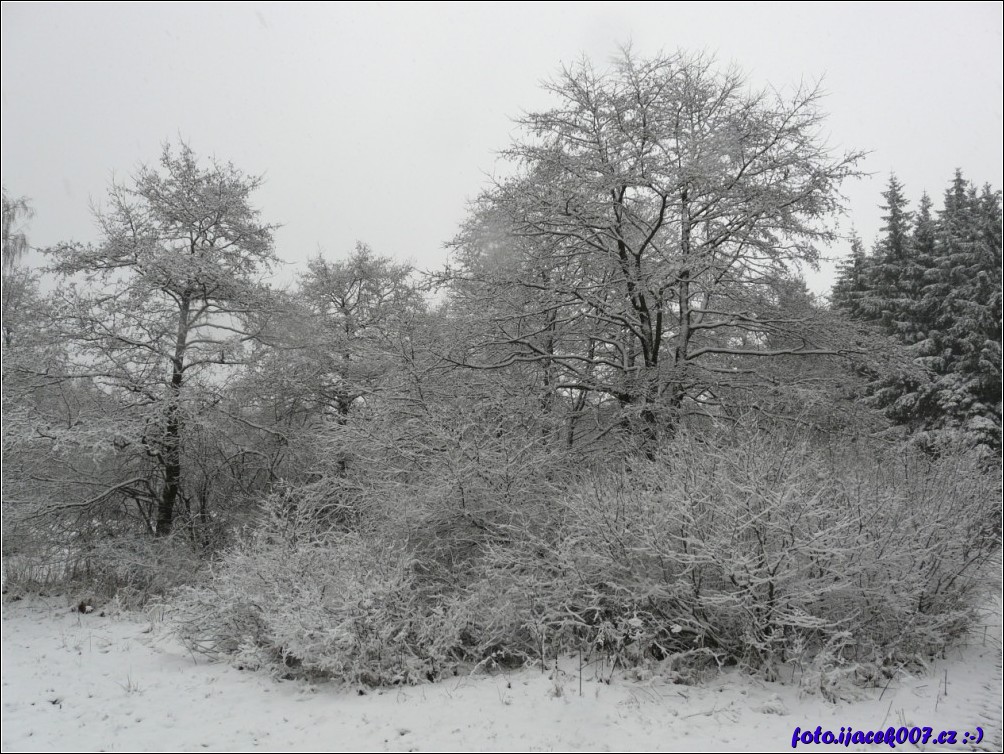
<point x="378" y="122"/>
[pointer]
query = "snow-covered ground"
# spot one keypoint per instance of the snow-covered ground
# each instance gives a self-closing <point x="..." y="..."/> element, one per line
<point x="87" y="682"/>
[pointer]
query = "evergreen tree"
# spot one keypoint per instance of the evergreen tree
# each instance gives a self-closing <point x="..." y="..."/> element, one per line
<point x="894" y="276"/>
<point x="963" y="296"/>
<point x="852" y="280"/>
<point x="889" y="298"/>
<point x="934" y="284"/>
<point x="924" y="260"/>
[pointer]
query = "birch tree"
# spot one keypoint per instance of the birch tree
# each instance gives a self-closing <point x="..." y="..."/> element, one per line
<point x="16" y="210"/>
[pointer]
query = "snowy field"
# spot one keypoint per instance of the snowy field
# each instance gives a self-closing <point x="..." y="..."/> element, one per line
<point x="93" y="683"/>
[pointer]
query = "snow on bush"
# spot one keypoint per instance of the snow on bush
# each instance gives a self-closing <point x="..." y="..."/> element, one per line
<point x="300" y="599"/>
<point x="761" y="549"/>
<point x="88" y="554"/>
<point x="751" y="547"/>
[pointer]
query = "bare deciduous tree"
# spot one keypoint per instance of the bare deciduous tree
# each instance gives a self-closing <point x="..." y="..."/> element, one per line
<point x="661" y="208"/>
<point x="356" y="308"/>
<point x="156" y="312"/>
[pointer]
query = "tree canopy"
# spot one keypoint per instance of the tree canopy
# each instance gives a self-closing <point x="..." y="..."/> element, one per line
<point x="156" y="312"/>
<point x="659" y="209"/>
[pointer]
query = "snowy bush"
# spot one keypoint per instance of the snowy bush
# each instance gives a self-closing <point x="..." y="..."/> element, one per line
<point x="99" y="556"/>
<point x="755" y="548"/>
<point x="297" y="598"/>
<point x="34" y="557"/>
<point x="136" y="569"/>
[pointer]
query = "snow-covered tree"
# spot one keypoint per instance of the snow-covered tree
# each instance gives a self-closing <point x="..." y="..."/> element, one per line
<point x="158" y="313"/>
<point x="659" y="203"/>
<point x="15" y="242"/>
<point x="356" y="308"/>
<point x="852" y="282"/>
<point x="894" y="277"/>
<point x="936" y="288"/>
<point x="19" y="282"/>
<point x="964" y="296"/>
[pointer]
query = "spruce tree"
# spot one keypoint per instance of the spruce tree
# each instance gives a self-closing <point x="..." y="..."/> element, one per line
<point x="924" y="260"/>
<point x="890" y="300"/>
<point x="894" y="285"/>
<point x="934" y="284"/>
<point x="963" y="295"/>
<point x="852" y="280"/>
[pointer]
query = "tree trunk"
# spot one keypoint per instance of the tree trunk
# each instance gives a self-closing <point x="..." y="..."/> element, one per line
<point x="172" y="477"/>
<point x="171" y="453"/>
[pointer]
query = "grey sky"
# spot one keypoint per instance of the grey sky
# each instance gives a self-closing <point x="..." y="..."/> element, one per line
<point x="377" y="121"/>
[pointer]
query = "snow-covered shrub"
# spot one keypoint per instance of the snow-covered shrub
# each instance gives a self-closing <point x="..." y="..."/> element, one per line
<point x="297" y="597"/>
<point x="754" y="547"/>
<point x="93" y="553"/>
<point x="136" y="568"/>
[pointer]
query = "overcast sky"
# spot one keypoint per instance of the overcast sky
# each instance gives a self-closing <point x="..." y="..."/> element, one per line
<point x="377" y="121"/>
